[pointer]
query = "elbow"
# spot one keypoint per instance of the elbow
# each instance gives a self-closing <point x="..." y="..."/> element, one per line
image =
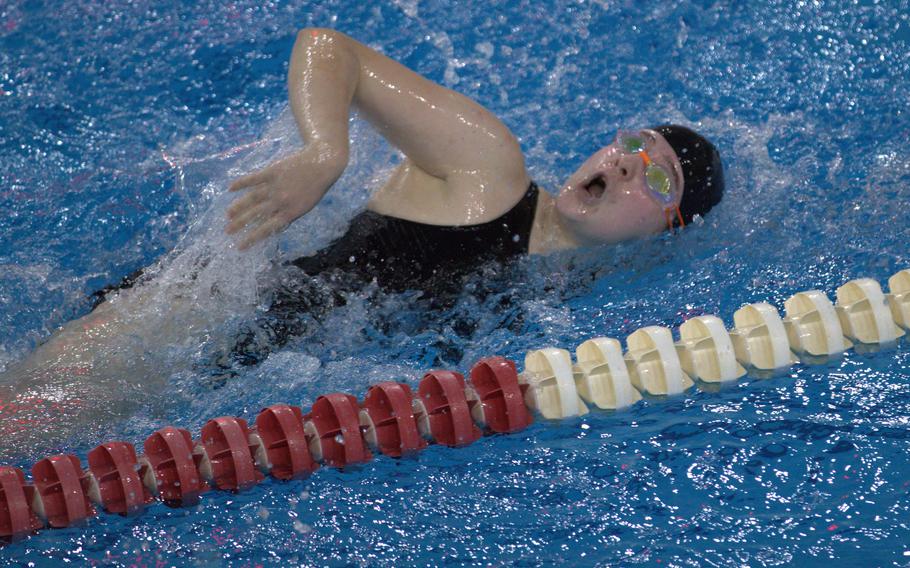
<point x="307" y="35"/>
<point x="325" y="46"/>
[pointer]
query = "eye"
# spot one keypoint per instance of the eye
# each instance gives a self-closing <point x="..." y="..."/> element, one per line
<point x="658" y="180"/>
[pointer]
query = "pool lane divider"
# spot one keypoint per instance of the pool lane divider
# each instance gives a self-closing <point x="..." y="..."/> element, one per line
<point x="899" y="298"/>
<point x="442" y="411"/>
<point x="333" y="430"/>
<point x="387" y="420"/>
<point x="338" y="430"/>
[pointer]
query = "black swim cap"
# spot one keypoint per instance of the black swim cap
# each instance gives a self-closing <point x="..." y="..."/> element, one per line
<point x="703" y="173"/>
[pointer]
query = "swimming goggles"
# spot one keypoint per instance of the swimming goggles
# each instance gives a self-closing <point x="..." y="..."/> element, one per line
<point x="658" y="180"/>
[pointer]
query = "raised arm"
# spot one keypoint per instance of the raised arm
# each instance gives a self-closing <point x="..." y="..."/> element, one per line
<point x="445" y="135"/>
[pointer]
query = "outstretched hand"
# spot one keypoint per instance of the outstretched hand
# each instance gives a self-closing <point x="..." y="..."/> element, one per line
<point x="278" y="194"/>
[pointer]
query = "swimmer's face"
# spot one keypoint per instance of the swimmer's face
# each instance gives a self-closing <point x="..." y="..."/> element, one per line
<point x="607" y="201"/>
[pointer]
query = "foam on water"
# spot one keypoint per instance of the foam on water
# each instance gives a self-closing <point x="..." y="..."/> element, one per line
<point x="116" y="147"/>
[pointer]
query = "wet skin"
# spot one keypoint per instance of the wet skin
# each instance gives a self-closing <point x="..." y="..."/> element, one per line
<point x="606" y="199"/>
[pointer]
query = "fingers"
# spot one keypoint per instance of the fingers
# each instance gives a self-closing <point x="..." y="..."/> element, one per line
<point x="248" y="215"/>
<point x="250" y="180"/>
<point x="247" y="201"/>
<point x="254" y="211"/>
<point x="274" y="224"/>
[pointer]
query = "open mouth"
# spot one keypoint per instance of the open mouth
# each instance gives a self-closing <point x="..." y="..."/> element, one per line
<point x="595" y="187"/>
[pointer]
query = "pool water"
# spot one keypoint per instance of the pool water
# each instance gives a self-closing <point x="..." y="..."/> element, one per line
<point x="121" y="125"/>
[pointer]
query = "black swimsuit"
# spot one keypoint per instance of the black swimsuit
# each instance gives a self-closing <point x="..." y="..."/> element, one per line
<point x="404" y="255"/>
<point x="398" y="254"/>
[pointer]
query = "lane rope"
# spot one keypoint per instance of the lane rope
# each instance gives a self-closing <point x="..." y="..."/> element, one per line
<point x="338" y="430"/>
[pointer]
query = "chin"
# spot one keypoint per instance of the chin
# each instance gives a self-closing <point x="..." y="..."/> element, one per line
<point x="613" y="228"/>
<point x="595" y="238"/>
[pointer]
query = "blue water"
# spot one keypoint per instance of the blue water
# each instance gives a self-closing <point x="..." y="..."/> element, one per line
<point x="120" y="126"/>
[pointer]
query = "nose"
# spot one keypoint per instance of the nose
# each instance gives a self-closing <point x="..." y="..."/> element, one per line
<point x="627" y="166"/>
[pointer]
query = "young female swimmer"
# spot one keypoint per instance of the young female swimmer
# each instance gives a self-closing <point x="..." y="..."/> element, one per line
<point x="460" y="197"/>
<point x="463" y="167"/>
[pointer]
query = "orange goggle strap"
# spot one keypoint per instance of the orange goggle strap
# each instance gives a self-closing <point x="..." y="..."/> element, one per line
<point x="668" y="212"/>
<point x="668" y="215"/>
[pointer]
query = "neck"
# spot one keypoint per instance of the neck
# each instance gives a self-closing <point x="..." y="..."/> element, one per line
<point x="549" y="233"/>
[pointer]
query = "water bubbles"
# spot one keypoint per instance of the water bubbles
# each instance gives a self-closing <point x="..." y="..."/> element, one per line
<point x="485" y="48"/>
<point x="302" y="528"/>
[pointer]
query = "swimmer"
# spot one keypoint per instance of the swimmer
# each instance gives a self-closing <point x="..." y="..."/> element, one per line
<point x="461" y="196"/>
<point x="463" y="167"/>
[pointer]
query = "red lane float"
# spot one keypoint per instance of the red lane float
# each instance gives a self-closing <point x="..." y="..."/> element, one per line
<point x="388" y="417"/>
<point x="61" y="491"/>
<point x="284" y="443"/>
<point x="442" y="394"/>
<point x="170" y="469"/>
<point x="283" y="450"/>
<point x="228" y="454"/>
<point x="333" y="431"/>
<point x="16" y="516"/>
<point x="500" y="403"/>
<point x="116" y="483"/>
